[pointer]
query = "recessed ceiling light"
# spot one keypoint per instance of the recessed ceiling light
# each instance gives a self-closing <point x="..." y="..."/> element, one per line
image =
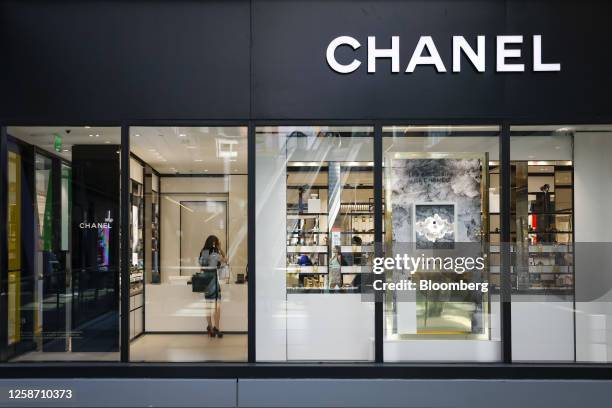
<point x="87" y="127"/>
<point x="137" y="135"/>
<point x="227" y="154"/>
<point x="205" y="170"/>
<point x="90" y="135"/>
<point x="182" y="135"/>
<point x="97" y="135"/>
<point x="107" y="142"/>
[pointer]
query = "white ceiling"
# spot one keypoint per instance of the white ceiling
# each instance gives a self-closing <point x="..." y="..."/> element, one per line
<point x="169" y="150"/>
<point x="44" y="137"/>
<point x="192" y="150"/>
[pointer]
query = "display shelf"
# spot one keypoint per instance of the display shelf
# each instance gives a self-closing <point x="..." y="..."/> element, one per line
<point x="340" y="290"/>
<point x="136" y="276"/>
<point x="323" y="246"/>
<point x="298" y="232"/>
<point x="307" y="249"/>
<point x="136" y="239"/>
<point x="357" y="249"/>
<point x="315" y="269"/>
<point x="548" y="269"/>
<point x="301" y="232"/>
<point x="544" y="198"/>
<point x="356" y="269"/>
<point x="301" y="213"/>
<point x="535" y="249"/>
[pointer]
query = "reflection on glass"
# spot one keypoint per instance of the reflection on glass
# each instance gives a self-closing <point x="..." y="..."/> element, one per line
<point x="542" y="236"/>
<point x="14" y="328"/>
<point x="330" y="226"/>
<point x="64" y="198"/>
<point x="542" y="217"/>
<point x="311" y="261"/>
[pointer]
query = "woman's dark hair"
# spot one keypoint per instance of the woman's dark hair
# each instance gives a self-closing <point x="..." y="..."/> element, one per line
<point x="211" y="244"/>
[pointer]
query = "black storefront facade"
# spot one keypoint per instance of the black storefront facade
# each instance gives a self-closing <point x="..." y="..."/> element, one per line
<point x="291" y="97"/>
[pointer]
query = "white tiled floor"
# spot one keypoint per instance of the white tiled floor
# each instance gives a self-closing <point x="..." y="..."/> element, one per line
<point x="189" y="348"/>
<point x="162" y="347"/>
<point x="35" y="356"/>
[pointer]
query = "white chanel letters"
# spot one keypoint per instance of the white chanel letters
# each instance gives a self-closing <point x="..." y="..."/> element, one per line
<point x="508" y="52"/>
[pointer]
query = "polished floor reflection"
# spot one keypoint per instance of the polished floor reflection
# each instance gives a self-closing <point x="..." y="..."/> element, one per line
<point x="189" y="348"/>
<point x="36" y="356"/>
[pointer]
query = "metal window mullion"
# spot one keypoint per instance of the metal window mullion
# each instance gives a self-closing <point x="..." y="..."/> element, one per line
<point x="125" y="243"/>
<point x="505" y="248"/>
<point x="251" y="214"/>
<point x="378" y="237"/>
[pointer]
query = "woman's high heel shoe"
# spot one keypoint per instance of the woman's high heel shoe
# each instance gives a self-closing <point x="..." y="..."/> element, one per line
<point x="217" y="332"/>
<point x="210" y="331"/>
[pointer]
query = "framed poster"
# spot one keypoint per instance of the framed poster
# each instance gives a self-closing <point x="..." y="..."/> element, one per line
<point x="435" y="201"/>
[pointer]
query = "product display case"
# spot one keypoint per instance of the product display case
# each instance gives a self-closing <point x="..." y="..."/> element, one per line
<point x="330" y="225"/>
<point x="137" y="258"/>
<point x="155" y="238"/>
<point x="151" y="227"/>
<point x="542" y="225"/>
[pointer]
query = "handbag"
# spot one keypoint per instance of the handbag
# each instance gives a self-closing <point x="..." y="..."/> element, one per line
<point x="205" y="282"/>
<point x="224" y="272"/>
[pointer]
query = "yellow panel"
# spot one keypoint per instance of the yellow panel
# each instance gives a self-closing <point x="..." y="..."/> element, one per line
<point x="14" y="247"/>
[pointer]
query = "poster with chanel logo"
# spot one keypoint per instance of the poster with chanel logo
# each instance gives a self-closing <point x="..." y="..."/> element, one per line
<point x="435" y="201"/>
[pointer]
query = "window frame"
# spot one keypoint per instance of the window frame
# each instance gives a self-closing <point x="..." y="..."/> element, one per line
<point x="253" y="369"/>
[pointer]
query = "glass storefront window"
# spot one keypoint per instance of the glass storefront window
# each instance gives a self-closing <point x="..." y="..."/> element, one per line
<point x="315" y="243"/>
<point x="542" y="231"/>
<point x="314" y="240"/>
<point x="561" y="243"/>
<point x="442" y="203"/>
<point x="63" y="240"/>
<point x="188" y="186"/>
